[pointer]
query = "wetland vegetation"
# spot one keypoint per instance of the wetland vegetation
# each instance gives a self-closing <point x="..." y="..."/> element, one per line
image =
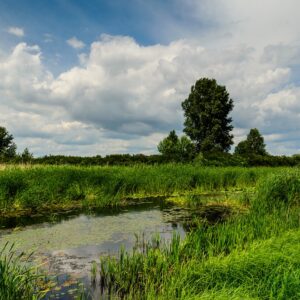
<point x="26" y="190"/>
<point x="254" y="255"/>
<point x="251" y="252"/>
<point x="18" y="280"/>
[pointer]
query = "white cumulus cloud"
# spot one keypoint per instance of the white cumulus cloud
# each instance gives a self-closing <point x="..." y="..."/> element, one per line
<point x="128" y="96"/>
<point x="17" y="31"/>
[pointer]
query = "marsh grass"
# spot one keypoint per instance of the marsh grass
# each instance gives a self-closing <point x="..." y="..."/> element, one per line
<point x="250" y="256"/>
<point x="42" y="187"/>
<point x="17" y="279"/>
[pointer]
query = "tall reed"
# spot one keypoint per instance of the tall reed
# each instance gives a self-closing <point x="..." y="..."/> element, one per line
<point x="17" y="279"/>
<point x="45" y="186"/>
<point x="253" y="255"/>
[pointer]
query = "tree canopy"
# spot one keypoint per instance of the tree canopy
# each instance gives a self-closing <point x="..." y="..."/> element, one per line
<point x="253" y="145"/>
<point x="7" y="145"/>
<point x="176" y="149"/>
<point x="206" y="113"/>
<point x="26" y="156"/>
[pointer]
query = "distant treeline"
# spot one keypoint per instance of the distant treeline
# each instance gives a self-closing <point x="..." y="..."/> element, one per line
<point x="111" y="160"/>
<point x="209" y="159"/>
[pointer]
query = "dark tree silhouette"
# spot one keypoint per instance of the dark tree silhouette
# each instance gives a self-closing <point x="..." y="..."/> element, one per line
<point x="7" y="146"/>
<point x="206" y="113"/>
<point x="254" y="144"/>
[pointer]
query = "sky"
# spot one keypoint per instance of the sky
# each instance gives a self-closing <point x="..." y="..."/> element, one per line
<point x="108" y="76"/>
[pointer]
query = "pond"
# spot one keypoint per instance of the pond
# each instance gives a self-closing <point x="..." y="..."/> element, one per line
<point x="67" y="244"/>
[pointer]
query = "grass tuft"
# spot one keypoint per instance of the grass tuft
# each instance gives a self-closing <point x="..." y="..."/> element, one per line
<point x="17" y="279"/>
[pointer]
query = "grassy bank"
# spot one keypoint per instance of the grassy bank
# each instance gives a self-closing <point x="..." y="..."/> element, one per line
<point x="56" y="187"/>
<point x="251" y="256"/>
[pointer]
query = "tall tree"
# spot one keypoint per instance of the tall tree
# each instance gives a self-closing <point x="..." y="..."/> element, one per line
<point x="168" y="146"/>
<point x="176" y="149"/>
<point x="254" y="144"/>
<point x="7" y="146"/>
<point x="206" y="113"/>
<point x="26" y="156"/>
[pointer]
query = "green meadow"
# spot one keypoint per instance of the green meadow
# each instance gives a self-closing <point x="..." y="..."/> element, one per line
<point x="251" y="254"/>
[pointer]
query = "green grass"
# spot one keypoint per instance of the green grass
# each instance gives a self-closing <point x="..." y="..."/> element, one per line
<point x="18" y="280"/>
<point x="46" y="187"/>
<point x="251" y="256"/>
<point x="267" y="269"/>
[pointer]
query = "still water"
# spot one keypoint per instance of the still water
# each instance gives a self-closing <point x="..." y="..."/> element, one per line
<point x="67" y="244"/>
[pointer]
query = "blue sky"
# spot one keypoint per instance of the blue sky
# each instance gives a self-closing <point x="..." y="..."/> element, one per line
<point x="98" y="77"/>
<point x="51" y="23"/>
<point x="60" y="20"/>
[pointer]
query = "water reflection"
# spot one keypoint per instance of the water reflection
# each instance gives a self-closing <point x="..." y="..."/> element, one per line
<point x="68" y="243"/>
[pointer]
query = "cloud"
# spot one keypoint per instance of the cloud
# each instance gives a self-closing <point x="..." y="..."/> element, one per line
<point x="131" y="89"/>
<point x="274" y="22"/>
<point x="124" y="97"/>
<point x="75" y="43"/>
<point x="17" y="31"/>
<point x="129" y="96"/>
